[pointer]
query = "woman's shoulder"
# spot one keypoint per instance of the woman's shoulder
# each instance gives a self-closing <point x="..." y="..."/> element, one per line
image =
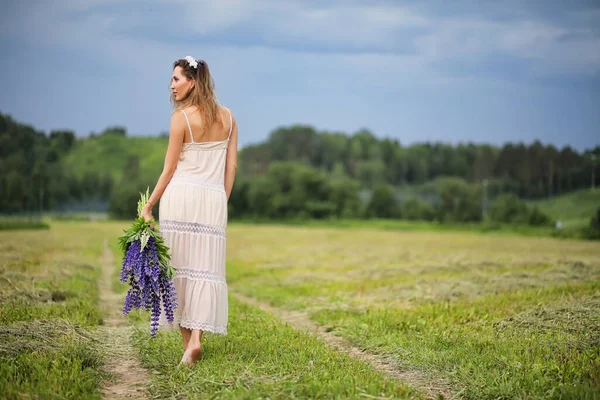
<point x="181" y="111"/>
<point x="178" y="118"/>
<point x="190" y="110"/>
<point x="225" y="111"/>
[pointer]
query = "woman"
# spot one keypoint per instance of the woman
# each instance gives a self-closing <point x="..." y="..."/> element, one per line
<point x="195" y="186"/>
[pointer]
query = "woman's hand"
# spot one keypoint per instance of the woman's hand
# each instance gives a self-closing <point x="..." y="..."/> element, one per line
<point x="147" y="213"/>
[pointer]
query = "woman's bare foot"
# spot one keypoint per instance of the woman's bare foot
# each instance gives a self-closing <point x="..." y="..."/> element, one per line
<point x="192" y="353"/>
<point x="185" y="360"/>
<point x="195" y="350"/>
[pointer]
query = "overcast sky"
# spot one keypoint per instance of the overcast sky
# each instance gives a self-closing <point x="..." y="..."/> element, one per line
<point x="453" y="71"/>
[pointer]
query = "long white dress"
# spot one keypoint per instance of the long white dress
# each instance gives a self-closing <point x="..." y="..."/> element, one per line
<point x="193" y="222"/>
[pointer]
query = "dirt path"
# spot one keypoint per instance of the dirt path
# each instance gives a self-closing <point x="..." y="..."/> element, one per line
<point x="431" y="388"/>
<point x="129" y="376"/>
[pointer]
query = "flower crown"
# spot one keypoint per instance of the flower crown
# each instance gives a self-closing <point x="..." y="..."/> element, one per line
<point x="192" y="61"/>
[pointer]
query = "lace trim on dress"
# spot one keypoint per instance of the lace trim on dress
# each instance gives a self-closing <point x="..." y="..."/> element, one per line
<point x="203" y="326"/>
<point x="194" y="180"/>
<point x="198" y="275"/>
<point x="191" y="227"/>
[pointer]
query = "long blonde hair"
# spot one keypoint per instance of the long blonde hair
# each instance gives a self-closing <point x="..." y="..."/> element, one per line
<point x="203" y="93"/>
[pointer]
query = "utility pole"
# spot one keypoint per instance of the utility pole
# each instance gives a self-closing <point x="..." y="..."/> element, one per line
<point x="41" y="200"/>
<point x="593" y="172"/>
<point x="484" y="202"/>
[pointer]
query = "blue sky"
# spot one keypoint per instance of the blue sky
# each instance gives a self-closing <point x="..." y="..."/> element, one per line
<point x="456" y="71"/>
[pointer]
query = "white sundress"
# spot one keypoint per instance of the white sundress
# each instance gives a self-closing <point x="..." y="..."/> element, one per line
<point x="193" y="222"/>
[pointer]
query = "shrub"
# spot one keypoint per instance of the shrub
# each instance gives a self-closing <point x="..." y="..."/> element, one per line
<point x="383" y="203"/>
<point x="123" y="201"/>
<point x="417" y="209"/>
<point x="593" y="229"/>
<point x="459" y="201"/>
<point x="509" y="208"/>
<point x="538" y="218"/>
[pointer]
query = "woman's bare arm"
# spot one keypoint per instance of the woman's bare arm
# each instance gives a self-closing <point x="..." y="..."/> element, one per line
<point x="231" y="163"/>
<point x="176" y="134"/>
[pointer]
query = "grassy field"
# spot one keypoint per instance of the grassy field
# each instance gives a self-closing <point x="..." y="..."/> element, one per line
<point x="261" y="358"/>
<point x="110" y="153"/>
<point x="50" y="345"/>
<point x="495" y="316"/>
<point x="48" y="311"/>
<point x="572" y="209"/>
<point x="492" y="228"/>
<point x="20" y="222"/>
<point x="499" y="316"/>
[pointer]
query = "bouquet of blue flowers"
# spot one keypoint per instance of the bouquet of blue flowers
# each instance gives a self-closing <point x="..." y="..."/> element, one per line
<point x="146" y="266"/>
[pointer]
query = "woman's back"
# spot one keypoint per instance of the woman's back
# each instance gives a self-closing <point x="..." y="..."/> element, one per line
<point x="218" y="131"/>
<point x="203" y="157"/>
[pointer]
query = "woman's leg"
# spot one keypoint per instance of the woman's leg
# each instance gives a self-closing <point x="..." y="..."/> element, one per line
<point x="185" y="334"/>
<point x="194" y="345"/>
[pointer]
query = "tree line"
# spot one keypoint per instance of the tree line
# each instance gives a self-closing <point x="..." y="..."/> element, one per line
<point x="529" y="171"/>
<point x="33" y="176"/>
<point x="299" y="172"/>
<point x="291" y="190"/>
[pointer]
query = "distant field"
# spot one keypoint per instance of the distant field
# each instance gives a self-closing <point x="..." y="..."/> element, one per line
<point x="573" y="209"/>
<point x="110" y="153"/>
<point x="497" y="316"/>
<point x="17" y="222"/>
<point x="409" y="226"/>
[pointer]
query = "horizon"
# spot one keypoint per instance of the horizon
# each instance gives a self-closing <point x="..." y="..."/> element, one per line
<point x="430" y="72"/>
<point x="348" y="134"/>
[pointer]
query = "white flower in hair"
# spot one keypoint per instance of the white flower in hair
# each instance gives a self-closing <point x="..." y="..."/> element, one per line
<point x="192" y="61"/>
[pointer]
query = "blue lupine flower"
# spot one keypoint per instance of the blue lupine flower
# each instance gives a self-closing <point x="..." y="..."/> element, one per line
<point x="149" y="283"/>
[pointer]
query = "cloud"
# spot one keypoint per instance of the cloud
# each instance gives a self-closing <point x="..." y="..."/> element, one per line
<point x="421" y="40"/>
<point x="547" y="48"/>
<point x="550" y="46"/>
<point x="338" y="64"/>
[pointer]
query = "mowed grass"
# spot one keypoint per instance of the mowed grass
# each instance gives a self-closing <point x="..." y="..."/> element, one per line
<point x="497" y="316"/>
<point x="261" y="357"/>
<point x="48" y="309"/>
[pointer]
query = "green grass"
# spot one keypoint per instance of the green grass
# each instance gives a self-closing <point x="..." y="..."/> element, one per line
<point x="73" y="297"/>
<point x="48" y="359"/>
<point x="261" y="358"/>
<point x="574" y="209"/>
<point x="110" y="153"/>
<point x="488" y="228"/>
<point x="496" y="316"/>
<point x="10" y="222"/>
<point x="48" y="310"/>
<point x="51" y="273"/>
<point x="538" y="353"/>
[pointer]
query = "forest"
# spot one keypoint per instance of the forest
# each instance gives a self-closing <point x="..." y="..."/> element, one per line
<point x="299" y="172"/>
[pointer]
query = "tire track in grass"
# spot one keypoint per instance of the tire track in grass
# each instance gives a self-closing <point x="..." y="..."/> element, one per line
<point x="432" y="388"/>
<point x="130" y="378"/>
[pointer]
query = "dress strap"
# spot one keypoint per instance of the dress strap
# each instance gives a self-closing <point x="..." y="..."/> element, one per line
<point x="230" y="124"/>
<point x="189" y="126"/>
